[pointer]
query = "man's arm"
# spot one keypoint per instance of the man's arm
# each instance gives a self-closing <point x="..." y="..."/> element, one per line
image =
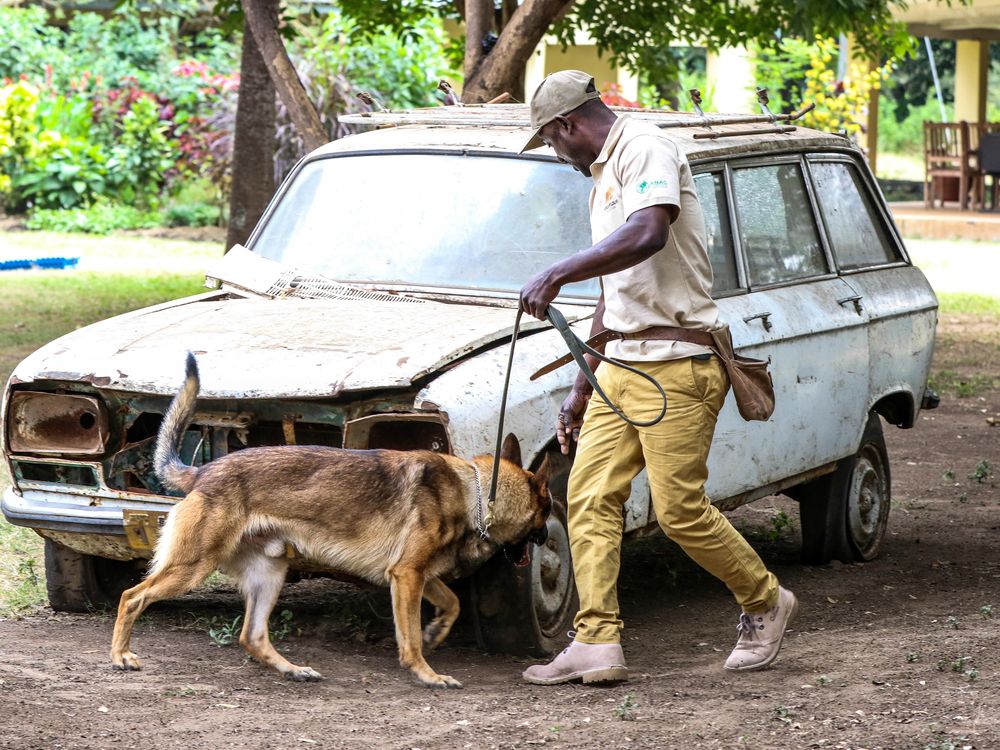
<point x="640" y="237"/>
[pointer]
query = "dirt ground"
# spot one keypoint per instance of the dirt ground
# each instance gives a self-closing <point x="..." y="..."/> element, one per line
<point x="897" y="653"/>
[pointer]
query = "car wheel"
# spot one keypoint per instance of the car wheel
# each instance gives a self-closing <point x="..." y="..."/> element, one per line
<point x="528" y="610"/>
<point x="79" y="583"/>
<point x="844" y="514"/>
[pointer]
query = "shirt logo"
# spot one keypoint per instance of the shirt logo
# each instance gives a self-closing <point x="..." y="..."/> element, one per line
<point x="610" y="201"/>
<point x="646" y="185"/>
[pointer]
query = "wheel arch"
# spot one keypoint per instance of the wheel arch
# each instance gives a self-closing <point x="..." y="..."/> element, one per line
<point x="897" y="408"/>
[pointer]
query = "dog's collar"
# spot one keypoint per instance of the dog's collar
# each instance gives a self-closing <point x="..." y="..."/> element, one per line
<point x="482" y="525"/>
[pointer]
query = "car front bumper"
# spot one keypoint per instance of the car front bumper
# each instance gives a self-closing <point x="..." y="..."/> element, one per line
<point x="48" y="510"/>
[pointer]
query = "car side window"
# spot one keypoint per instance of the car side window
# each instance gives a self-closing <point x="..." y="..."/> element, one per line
<point x="776" y="224"/>
<point x="856" y="233"/>
<point x="712" y="196"/>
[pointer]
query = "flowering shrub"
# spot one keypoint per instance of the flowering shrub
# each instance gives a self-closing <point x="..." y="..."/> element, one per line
<point x="801" y="72"/>
<point x="840" y="104"/>
<point x="116" y="107"/>
<point x="611" y="94"/>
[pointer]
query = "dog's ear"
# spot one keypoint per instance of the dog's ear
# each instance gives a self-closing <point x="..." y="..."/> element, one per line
<point x="511" y="449"/>
<point x="540" y="479"/>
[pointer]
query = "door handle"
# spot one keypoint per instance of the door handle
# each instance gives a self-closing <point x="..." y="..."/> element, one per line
<point x="855" y="298"/>
<point x="764" y="319"/>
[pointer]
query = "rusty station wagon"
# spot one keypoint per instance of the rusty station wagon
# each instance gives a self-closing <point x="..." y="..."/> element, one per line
<point x="372" y="306"/>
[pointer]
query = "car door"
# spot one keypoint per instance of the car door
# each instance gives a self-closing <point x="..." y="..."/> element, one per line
<point x="871" y="259"/>
<point x="796" y="312"/>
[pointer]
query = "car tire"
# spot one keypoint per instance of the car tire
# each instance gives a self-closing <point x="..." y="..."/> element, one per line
<point x="528" y="610"/>
<point x="77" y="582"/>
<point x="844" y="514"/>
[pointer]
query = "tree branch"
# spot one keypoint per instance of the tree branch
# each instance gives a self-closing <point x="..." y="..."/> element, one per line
<point x="501" y="70"/>
<point x="261" y="17"/>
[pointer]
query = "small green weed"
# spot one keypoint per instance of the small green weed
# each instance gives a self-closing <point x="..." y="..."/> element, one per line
<point x="963" y="497"/>
<point x="284" y="626"/>
<point x="948" y="476"/>
<point x="950" y="381"/>
<point x="779" y="525"/>
<point x="912" y="657"/>
<point x="986" y="610"/>
<point x="952" y="622"/>
<point x="955" y="665"/>
<point x="982" y="471"/>
<point x="822" y="680"/>
<point x="625" y="711"/>
<point x="962" y="744"/>
<point x="783" y="713"/>
<point x="225" y="632"/>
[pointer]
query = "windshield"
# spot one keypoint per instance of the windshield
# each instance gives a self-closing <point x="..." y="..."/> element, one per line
<point x="439" y="220"/>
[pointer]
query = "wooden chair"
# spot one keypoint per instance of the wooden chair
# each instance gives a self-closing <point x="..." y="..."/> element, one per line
<point x="947" y="155"/>
<point x="984" y="141"/>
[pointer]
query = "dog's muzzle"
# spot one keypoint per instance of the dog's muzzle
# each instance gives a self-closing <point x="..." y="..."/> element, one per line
<point x="538" y="536"/>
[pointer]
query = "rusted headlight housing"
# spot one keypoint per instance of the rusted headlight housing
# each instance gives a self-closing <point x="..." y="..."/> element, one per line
<point x="56" y="424"/>
<point x="403" y="432"/>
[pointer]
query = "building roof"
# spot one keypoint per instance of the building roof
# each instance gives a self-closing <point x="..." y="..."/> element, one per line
<point x="505" y="128"/>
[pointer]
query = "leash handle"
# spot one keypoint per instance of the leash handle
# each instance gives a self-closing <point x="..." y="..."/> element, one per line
<point x="577" y="349"/>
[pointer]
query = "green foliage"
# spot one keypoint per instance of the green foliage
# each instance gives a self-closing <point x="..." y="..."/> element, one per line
<point x="225" y="632"/>
<point x="22" y="587"/>
<point x="401" y="71"/>
<point x="192" y="215"/>
<point x="982" y="472"/>
<point x="780" y="524"/>
<point x="63" y="172"/>
<point x="143" y="154"/>
<point x="626" y="710"/>
<point x="102" y="217"/>
<point x="628" y="28"/>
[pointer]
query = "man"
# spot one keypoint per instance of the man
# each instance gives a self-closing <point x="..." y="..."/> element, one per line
<point x="650" y="253"/>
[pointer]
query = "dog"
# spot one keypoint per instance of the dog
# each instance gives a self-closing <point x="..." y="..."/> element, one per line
<point x="405" y="519"/>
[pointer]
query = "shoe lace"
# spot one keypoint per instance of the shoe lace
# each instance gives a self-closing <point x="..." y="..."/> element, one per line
<point x="745" y="626"/>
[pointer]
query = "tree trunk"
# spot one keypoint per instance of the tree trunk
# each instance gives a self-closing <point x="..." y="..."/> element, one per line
<point x="478" y="23"/>
<point x="503" y="68"/>
<point x="253" y="145"/>
<point x="261" y="18"/>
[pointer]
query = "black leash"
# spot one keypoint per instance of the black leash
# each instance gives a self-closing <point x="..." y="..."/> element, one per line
<point x="577" y="348"/>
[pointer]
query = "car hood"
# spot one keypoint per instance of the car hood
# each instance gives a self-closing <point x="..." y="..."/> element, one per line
<point x="250" y="348"/>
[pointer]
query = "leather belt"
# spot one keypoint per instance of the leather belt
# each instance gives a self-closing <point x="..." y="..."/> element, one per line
<point x="653" y="333"/>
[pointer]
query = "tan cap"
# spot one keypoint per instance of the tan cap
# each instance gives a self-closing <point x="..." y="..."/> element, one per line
<point x="557" y="95"/>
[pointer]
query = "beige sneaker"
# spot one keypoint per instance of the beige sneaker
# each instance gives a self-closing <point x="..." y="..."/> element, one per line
<point x="761" y="634"/>
<point x="589" y="662"/>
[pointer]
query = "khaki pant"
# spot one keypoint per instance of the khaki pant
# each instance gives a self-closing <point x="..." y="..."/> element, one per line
<point x="674" y="451"/>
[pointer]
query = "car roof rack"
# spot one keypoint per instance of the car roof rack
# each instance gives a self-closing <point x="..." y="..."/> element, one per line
<point x="517" y="116"/>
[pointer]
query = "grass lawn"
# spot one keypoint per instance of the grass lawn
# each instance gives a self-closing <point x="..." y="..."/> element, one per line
<point x="116" y="274"/>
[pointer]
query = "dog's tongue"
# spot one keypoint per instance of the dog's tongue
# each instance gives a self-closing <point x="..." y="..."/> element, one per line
<point x="525" y="556"/>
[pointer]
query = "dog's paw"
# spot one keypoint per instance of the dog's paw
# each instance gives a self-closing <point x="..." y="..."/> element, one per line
<point x="127" y="662"/>
<point x="303" y="674"/>
<point x="434" y="634"/>
<point x="441" y="682"/>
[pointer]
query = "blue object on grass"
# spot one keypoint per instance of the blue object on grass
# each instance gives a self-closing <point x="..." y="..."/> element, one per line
<point x="57" y="262"/>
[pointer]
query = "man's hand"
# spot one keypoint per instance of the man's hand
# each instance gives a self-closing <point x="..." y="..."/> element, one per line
<point x="538" y="293"/>
<point x="571" y="418"/>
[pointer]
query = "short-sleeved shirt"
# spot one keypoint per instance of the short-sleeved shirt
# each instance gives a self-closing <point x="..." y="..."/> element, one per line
<point x="637" y="168"/>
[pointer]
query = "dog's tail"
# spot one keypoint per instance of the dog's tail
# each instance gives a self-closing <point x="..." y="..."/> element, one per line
<point x="167" y="461"/>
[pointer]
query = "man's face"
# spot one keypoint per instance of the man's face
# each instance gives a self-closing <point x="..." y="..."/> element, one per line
<point x="564" y="137"/>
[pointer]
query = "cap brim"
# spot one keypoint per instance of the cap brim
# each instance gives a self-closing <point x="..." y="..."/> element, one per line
<point x="534" y="141"/>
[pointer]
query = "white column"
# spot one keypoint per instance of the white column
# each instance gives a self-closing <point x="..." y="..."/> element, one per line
<point x="730" y="73"/>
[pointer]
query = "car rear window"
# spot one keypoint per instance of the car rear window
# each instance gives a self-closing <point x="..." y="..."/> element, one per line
<point x="712" y="196"/>
<point x="776" y="224"/>
<point x="856" y="233"/>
